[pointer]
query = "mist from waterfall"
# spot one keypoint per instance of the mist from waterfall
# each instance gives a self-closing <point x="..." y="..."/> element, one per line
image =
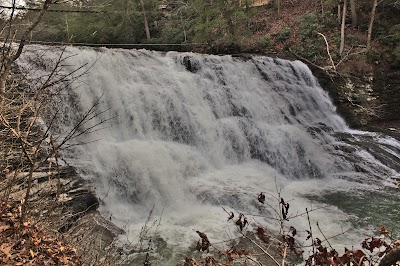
<point x="193" y="133"/>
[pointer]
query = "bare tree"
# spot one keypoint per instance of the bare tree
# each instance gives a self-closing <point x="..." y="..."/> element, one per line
<point x="146" y="23"/>
<point x="8" y="56"/>
<point x="23" y="105"/>
<point x="371" y="23"/>
<point x="354" y="17"/>
<point x="278" y="4"/>
<point x="342" y="35"/>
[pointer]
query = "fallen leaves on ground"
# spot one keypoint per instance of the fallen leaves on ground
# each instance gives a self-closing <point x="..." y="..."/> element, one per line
<point x="25" y="243"/>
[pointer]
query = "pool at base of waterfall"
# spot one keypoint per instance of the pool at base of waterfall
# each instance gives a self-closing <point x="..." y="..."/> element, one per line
<point x="368" y="210"/>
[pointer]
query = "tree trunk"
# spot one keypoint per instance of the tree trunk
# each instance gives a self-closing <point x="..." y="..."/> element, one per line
<point x="339" y="11"/>
<point x="183" y="27"/>
<point x="2" y="89"/>
<point x="5" y="66"/>
<point x="322" y="8"/>
<point x="342" y="28"/>
<point x="228" y="14"/>
<point x="146" y="24"/>
<point x="278" y="6"/>
<point x="371" y="23"/>
<point x="354" y="17"/>
<point x="28" y="190"/>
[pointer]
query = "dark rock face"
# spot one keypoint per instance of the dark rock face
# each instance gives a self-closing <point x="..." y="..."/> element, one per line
<point x="374" y="98"/>
<point x="78" y="197"/>
<point x="334" y="87"/>
<point x="387" y="86"/>
<point x="191" y="64"/>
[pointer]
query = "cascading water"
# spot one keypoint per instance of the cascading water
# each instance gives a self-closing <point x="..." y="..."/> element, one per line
<point x="193" y="133"/>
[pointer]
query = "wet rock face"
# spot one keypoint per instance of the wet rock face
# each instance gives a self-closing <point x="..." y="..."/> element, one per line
<point x="334" y="86"/>
<point x="191" y="64"/>
<point x="365" y="98"/>
<point x="64" y="191"/>
<point x="78" y="197"/>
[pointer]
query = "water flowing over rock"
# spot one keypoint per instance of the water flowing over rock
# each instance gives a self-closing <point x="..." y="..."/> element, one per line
<point x="191" y="133"/>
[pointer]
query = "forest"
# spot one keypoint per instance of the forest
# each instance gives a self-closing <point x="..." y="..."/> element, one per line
<point x="248" y="26"/>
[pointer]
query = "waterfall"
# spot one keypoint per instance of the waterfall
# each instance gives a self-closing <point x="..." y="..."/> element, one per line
<point x="192" y="133"/>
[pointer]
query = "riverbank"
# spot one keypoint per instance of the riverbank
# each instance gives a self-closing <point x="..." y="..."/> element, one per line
<point x="390" y="128"/>
<point x="62" y="217"/>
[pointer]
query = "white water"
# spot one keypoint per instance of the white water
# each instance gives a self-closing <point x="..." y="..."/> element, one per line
<point x="190" y="143"/>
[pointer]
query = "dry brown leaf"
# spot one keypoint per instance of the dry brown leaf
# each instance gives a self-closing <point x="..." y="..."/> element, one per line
<point x="3" y="228"/>
<point x="359" y="254"/>
<point x="31" y="253"/>
<point x="6" y="248"/>
<point x="383" y="231"/>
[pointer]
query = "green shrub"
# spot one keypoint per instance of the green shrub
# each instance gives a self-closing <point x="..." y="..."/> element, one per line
<point x="283" y="34"/>
<point x="173" y="35"/>
<point x="329" y="20"/>
<point x="266" y="41"/>
<point x="309" y="24"/>
<point x="393" y="35"/>
<point x="352" y="39"/>
<point x="329" y="4"/>
<point x="396" y="53"/>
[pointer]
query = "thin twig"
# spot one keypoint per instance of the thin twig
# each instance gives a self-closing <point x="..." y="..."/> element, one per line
<point x="319" y="228"/>
<point x="327" y="50"/>
<point x="262" y="249"/>
<point x="311" y="233"/>
<point x="284" y="255"/>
